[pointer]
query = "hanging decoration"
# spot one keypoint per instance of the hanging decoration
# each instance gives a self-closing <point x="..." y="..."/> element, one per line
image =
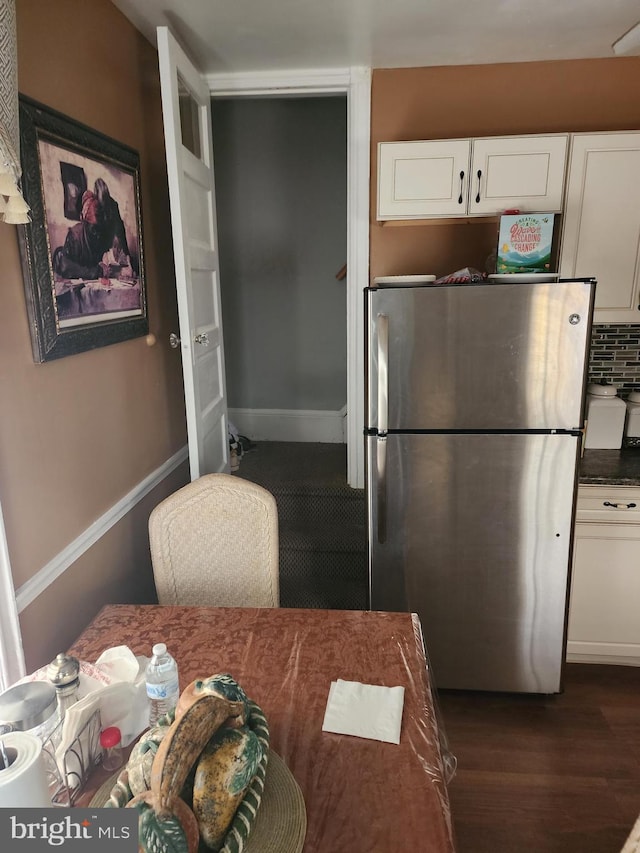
<point x="13" y="208"/>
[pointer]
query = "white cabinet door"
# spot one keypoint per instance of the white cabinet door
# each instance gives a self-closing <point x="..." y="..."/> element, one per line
<point x="601" y="233"/>
<point x="604" y="610"/>
<point x="523" y="172"/>
<point x="418" y="180"/>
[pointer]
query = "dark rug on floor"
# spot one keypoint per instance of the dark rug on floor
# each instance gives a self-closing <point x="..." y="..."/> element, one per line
<point x="275" y="463"/>
<point x="322" y="522"/>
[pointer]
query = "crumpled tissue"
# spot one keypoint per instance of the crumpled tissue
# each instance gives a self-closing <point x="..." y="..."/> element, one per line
<point x="364" y="710"/>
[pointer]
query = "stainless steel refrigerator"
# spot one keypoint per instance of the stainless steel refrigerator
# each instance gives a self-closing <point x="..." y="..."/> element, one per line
<point x="475" y="424"/>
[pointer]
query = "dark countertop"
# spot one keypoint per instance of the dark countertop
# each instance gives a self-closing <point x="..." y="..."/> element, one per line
<point x="611" y="467"/>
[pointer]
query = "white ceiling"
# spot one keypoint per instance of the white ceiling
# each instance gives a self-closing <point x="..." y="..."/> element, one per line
<point x="226" y="36"/>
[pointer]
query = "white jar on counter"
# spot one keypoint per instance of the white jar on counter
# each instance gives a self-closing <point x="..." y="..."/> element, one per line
<point x="632" y="427"/>
<point x="606" y="414"/>
<point x="30" y="707"/>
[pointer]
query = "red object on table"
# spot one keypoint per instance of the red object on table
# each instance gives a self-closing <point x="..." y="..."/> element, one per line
<point x="110" y="737"/>
<point x="361" y="795"/>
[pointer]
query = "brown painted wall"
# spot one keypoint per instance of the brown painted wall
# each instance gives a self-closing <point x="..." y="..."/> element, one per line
<point x="486" y="100"/>
<point x="78" y="434"/>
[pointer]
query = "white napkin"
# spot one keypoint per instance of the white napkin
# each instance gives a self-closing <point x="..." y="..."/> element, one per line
<point x="364" y="710"/>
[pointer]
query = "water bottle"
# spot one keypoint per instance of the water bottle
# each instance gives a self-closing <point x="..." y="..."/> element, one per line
<point x="162" y="683"/>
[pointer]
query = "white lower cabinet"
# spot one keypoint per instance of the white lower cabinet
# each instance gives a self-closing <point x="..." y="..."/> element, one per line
<point x="604" y="609"/>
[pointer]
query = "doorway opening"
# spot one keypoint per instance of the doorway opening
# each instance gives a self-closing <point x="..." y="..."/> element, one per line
<point x="281" y="197"/>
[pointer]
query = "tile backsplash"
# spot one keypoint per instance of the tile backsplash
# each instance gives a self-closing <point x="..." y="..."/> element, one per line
<point x="615" y="356"/>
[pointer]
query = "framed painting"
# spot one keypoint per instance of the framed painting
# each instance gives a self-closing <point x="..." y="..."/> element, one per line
<point x="82" y="252"/>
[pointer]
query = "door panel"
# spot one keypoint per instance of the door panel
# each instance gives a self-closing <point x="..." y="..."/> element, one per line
<point x="496" y="356"/>
<point x="187" y="121"/>
<point x="477" y="542"/>
<point x="199" y="211"/>
<point x="506" y="172"/>
<point x="204" y="308"/>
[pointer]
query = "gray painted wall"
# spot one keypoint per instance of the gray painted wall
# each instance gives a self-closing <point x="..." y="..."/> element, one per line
<point x="281" y="194"/>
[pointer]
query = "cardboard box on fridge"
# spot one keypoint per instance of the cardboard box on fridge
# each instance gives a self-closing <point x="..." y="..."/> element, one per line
<point x="525" y="243"/>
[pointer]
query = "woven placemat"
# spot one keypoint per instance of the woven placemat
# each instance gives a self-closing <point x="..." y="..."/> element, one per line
<point x="281" y="822"/>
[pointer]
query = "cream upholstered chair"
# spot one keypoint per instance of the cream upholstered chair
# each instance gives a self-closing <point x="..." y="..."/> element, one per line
<point x="215" y="542"/>
<point x="632" y="844"/>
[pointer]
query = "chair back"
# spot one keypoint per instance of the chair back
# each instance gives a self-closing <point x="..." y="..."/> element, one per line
<point x="215" y="542"/>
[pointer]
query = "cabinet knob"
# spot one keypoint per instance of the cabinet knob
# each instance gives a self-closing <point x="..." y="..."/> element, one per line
<point x="619" y="506"/>
<point x="461" y="188"/>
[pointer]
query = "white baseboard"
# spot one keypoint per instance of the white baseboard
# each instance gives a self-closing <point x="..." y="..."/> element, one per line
<point x="620" y="654"/>
<point x="30" y="590"/>
<point x="290" y="424"/>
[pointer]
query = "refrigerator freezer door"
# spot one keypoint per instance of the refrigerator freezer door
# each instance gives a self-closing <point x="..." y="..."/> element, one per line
<point x="480" y="357"/>
<point x="477" y="541"/>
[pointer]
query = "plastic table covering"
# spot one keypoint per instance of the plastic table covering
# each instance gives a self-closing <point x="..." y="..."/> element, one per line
<point x="361" y="796"/>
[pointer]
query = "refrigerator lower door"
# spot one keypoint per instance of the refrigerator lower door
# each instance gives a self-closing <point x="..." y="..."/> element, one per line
<point x="474" y="532"/>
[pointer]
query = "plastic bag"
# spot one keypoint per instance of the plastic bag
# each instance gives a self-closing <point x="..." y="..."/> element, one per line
<point x="463" y="276"/>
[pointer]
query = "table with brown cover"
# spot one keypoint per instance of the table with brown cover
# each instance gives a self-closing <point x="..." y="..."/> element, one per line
<point x="361" y="796"/>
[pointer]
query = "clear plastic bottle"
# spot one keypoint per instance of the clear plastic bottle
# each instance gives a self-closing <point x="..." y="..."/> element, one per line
<point x="162" y="683"/>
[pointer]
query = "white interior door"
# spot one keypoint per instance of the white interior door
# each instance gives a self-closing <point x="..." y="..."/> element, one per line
<point x="187" y="128"/>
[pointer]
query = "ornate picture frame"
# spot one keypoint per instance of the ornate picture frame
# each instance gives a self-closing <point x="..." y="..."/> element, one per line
<point x="82" y="254"/>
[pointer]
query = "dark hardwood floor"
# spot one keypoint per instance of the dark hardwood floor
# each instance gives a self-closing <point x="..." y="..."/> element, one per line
<point x="547" y="774"/>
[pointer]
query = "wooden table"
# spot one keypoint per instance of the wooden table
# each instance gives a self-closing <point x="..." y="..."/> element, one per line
<point x="361" y="796"/>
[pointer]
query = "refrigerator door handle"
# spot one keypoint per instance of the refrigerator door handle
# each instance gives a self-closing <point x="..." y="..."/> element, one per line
<point x="383" y="423"/>
<point x="381" y="463"/>
<point x="383" y="373"/>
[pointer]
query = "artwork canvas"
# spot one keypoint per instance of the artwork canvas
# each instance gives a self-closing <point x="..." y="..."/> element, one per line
<point x="82" y="253"/>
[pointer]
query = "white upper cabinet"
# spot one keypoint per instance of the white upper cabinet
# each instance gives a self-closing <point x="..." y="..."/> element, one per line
<point x="523" y="172"/>
<point x="470" y="177"/>
<point x="601" y="232"/>
<point x="421" y="179"/>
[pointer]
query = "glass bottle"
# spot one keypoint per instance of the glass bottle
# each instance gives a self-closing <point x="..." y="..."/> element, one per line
<point x="111" y="743"/>
<point x="64" y="673"/>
